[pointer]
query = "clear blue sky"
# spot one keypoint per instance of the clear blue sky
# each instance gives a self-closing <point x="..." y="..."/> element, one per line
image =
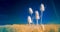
<point x="16" y="11"/>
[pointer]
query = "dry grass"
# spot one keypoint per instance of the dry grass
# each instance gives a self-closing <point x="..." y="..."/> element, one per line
<point x="34" y="28"/>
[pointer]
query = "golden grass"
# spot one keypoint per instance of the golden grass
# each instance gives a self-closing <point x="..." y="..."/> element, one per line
<point x="35" y="28"/>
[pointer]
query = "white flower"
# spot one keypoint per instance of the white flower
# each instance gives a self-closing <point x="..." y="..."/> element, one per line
<point x="30" y="11"/>
<point x="37" y="14"/>
<point x="29" y="19"/>
<point x="42" y="7"/>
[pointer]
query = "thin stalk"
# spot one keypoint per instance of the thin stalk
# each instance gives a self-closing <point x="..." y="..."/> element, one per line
<point x="37" y="21"/>
<point x="41" y="16"/>
<point x="41" y="20"/>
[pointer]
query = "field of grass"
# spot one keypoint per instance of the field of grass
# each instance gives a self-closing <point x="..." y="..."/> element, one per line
<point x="30" y="28"/>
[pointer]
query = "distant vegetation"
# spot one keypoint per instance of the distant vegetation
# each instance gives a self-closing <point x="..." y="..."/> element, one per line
<point x="59" y="30"/>
<point x="51" y="30"/>
<point x="6" y="29"/>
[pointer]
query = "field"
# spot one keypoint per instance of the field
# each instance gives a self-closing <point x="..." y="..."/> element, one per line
<point x="30" y="28"/>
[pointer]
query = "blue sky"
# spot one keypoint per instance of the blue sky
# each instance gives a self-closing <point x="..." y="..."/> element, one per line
<point x="16" y="11"/>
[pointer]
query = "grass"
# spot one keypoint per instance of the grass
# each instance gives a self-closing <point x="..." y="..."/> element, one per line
<point x="28" y="28"/>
